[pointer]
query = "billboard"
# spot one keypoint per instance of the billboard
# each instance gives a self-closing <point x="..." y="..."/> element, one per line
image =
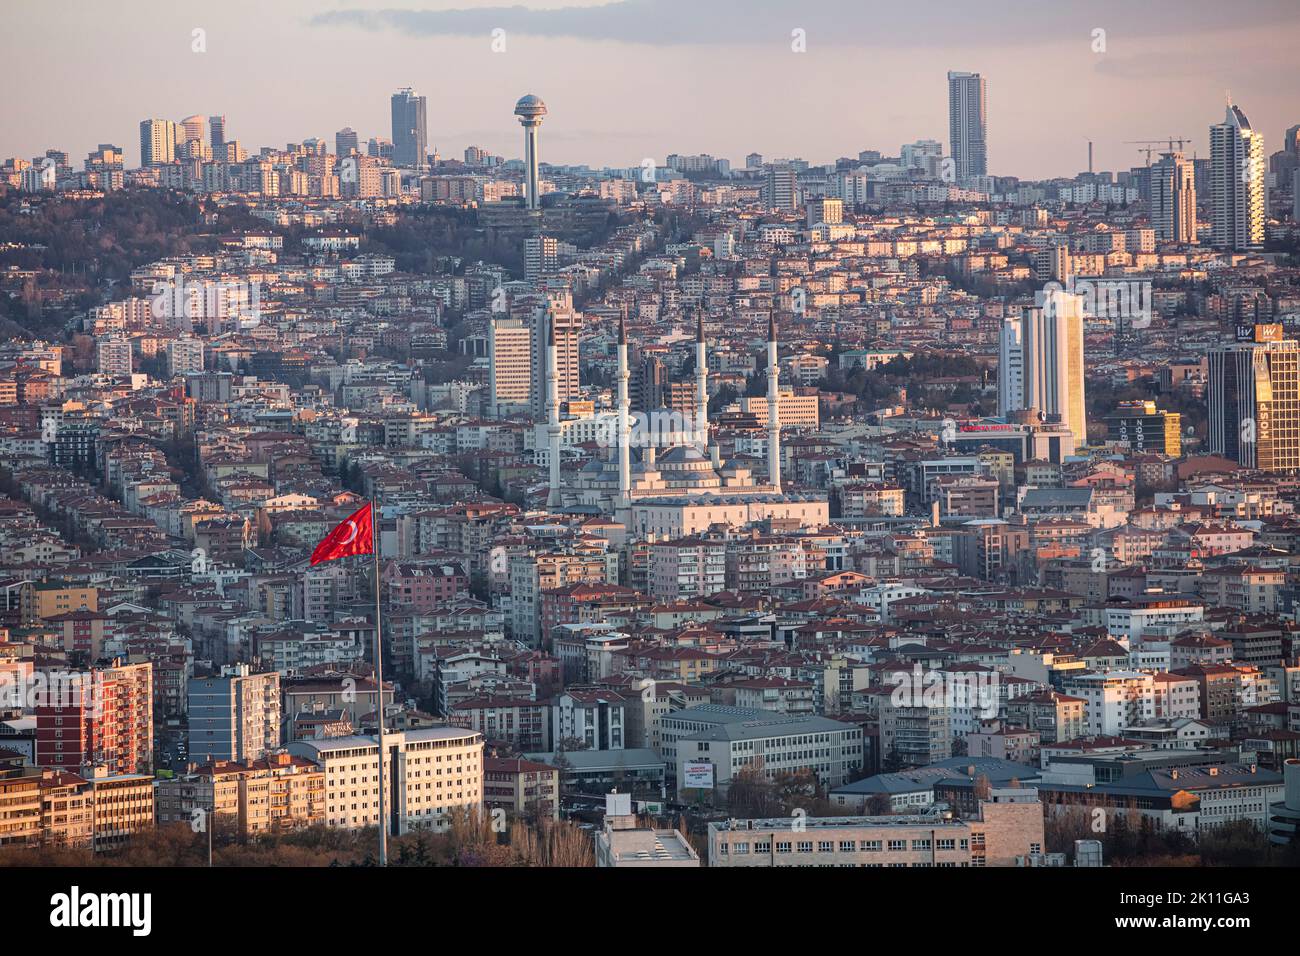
<point x="697" y="775"/>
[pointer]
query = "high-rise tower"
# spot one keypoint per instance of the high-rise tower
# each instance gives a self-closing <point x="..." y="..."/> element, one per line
<point x="1052" y="360"/>
<point x="967" y="124"/>
<point x="410" y="132"/>
<point x="1237" y="183"/>
<point x="157" y="142"/>
<point x="1254" y="400"/>
<point x="1173" y="198"/>
<point x="530" y="110"/>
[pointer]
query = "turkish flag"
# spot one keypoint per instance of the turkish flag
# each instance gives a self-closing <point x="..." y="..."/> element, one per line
<point x="354" y="536"/>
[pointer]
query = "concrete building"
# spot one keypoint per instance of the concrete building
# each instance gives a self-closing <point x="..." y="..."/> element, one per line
<point x="736" y="739"/>
<point x="113" y="356"/>
<point x="1173" y="199"/>
<point x="1284" y="816"/>
<point x="510" y="366"/>
<point x="235" y="715"/>
<point x="410" y="129"/>
<point x="1053" y="365"/>
<point x="274" y="793"/>
<point x="1113" y="700"/>
<point x="521" y="787"/>
<point x="967" y="124"/>
<point x="430" y="772"/>
<point x="1007" y="826"/>
<point x="158" y="138"/>
<point x="102" y="718"/>
<point x="625" y="843"/>
<point x="1254" y="399"/>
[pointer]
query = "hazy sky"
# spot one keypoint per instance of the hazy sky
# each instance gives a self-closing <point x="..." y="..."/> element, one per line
<point x="634" y="79"/>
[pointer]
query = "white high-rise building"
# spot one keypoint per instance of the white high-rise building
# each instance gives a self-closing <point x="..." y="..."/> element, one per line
<point x="1173" y="198"/>
<point x="1237" y="183"/>
<point x="781" y="188"/>
<point x="1011" y="368"/>
<point x="967" y="124"/>
<point x="1052" y="360"/>
<point x="158" y="138"/>
<point x="541" y="256"/>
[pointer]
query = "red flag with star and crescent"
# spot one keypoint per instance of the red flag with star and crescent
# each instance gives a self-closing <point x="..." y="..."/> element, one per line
<point x="353" y="536"/>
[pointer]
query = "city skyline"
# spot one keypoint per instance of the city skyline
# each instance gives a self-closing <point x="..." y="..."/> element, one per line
<point x="1145" y="84"/>
<point x="533" y="482"/>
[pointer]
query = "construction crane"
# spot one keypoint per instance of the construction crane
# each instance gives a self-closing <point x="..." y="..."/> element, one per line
<point x="1150" y="146"/>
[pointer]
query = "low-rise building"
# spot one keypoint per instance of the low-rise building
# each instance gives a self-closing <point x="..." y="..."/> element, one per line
<point x="1009" y="824"/>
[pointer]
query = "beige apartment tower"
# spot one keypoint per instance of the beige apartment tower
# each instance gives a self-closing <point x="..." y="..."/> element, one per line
<point x="1053" y="361"/>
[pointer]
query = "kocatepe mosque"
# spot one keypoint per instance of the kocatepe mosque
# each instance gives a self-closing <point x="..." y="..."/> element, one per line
<point x="672" y="483"/>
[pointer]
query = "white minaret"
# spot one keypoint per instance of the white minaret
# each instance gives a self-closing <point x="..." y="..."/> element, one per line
<point x="701" y="386"/>
<point x="530" y="110"/>
<point x="773" y="410"/>
<point x="624" y="427"/>
<point x="553" y="499"/>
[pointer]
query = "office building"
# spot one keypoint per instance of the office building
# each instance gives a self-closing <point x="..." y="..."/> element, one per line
<point x="1173" y="199"/>
<point x="1041" y="364"/>
<point x="191" y="130"/>
<point x="967" y="124"/>
<point x="1141" y="427"/>
<point x="732" y="740"/>
<point x="510" y="363"/>
<point x="216" y="132"/>
<point x="346" y="142"/>
<point x="1284" y="816"/>
<point x="1011" y="367"/>
<point x="564" y="325"/>
<point x="430" y="772"/>
<point x="234" y="715"/>
<point x="781" y="188"/>
<point x="1254" y="400"/>
<point x="1237" y="183"/>
<point x="1006" y="830"/>
<point x="541" y="257"/>
<point x="410" y="132"/>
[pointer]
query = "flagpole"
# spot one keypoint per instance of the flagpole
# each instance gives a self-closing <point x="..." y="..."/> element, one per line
<point x="379" y="680"/>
